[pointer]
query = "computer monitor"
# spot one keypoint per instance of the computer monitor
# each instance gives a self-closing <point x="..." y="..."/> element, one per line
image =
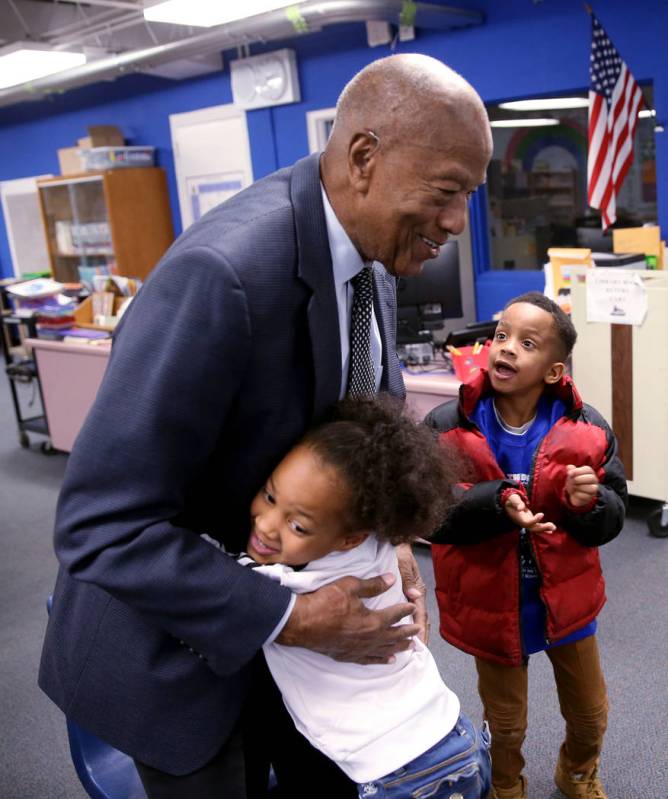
<point x="472" y="333"/>
<point x="595" y="239"/>
<point x="425" y="301"/>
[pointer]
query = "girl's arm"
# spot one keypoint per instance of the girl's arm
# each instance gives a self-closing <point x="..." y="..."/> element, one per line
<point x="479" y="514"/>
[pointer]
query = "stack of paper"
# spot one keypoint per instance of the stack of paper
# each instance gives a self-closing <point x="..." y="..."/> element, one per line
<point x="558" y="272"/>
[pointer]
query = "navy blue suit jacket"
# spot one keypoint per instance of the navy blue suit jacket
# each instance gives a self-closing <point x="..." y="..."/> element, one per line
<point x="228" y="354"/>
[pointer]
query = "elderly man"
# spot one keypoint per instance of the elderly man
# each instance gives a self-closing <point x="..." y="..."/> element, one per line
<point x="237" y="343"/>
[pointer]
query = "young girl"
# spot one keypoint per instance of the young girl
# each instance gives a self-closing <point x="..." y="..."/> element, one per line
<point x="337" y="505"/>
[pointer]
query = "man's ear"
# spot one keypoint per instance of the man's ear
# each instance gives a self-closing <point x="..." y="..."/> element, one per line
<point x="555" y="373"/>
<point x="361" y="152"/>
<point x="352" y="540"/>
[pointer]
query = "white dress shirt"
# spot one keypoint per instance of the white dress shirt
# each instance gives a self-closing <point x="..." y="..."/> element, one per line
<point x="346" y="263"/>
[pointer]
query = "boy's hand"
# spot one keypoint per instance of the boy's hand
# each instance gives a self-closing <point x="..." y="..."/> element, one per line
<point x="519" y="512"/>
<point x="581" y="485"/>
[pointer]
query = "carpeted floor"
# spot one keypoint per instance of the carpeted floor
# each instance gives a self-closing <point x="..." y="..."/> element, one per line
<point x="34" y="758"/>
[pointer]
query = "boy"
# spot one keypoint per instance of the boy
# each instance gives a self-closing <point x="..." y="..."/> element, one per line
<point x="517" y="565"/>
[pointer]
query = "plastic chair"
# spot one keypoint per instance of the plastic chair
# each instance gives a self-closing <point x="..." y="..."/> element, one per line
<point x="107" y="773"/>
<point x="104" y="772"/>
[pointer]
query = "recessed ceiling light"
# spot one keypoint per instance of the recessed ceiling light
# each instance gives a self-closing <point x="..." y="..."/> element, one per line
<point x="23" y="62"/>
<point x="206" y="13"/>
<point x="545" y="104"/>
<point x="533" y="122"/>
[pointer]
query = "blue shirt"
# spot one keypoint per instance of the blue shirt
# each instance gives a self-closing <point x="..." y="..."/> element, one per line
<point x="514" y="452"/>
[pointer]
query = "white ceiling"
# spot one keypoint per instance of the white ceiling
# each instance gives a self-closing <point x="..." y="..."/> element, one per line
<point x="117" y="39"/>
<point x="100" y="27"/>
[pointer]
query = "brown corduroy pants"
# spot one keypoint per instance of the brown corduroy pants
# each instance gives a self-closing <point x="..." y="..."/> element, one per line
<point x="582" y="699"/>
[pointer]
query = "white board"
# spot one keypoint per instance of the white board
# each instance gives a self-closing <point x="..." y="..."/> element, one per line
<point x="211" y="157"/>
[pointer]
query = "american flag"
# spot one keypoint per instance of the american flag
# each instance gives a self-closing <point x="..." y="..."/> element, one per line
<point x="614" y="101"/>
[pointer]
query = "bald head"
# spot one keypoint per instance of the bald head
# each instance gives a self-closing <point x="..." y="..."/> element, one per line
<point x="411" y="141"/>
<point x="403" y="96"/>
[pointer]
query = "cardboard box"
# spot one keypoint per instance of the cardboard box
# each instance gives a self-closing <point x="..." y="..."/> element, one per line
<point x="102" y="136"/>
<point x="83" y="314"/>
<point x="69" y="159"/>
<point x="558" y="273"/>
<point x="646" y="240"/>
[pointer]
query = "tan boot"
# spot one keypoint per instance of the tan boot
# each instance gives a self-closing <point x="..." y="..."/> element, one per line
<point x="518" y="792"/>
<point x="580" y="786"/>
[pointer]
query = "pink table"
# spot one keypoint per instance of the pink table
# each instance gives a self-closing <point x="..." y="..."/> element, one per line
<point x="70" y="375"/>
<point x="426" y="390"/>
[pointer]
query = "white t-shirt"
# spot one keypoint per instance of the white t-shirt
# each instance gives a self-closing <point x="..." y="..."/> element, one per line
<point x="370" y="720"/>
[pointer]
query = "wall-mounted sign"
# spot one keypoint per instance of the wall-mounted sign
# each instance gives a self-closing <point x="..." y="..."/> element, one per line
<point x="616" y="296"/>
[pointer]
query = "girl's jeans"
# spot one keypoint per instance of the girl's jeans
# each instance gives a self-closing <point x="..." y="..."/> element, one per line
<point x="457" y="767"/>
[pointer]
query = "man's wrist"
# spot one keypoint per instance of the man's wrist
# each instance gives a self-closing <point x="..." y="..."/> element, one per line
<point x="289" y="635"/>
<point x="278" y="629"/>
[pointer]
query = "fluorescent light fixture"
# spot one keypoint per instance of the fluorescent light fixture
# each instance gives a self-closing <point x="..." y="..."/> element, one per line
<point x="207" y="13"/>
<point x="546" y="104"/>
<point x="23" y="62"/>
<point x="646" y="112"/>
<point x="533" y="122"/>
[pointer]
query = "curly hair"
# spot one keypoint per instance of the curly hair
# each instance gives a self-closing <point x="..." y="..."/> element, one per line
<point x="399" y="477"/>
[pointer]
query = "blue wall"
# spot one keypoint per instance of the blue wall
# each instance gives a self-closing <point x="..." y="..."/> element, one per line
<point x="523" y="48"/>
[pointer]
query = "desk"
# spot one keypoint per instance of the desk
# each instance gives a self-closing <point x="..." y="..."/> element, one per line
<point x="70" y="375"/>
<point x="426" y="390"/>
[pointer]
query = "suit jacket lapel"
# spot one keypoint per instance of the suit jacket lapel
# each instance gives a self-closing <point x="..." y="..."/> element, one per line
<point x="385" y="306"/>
<point x="385" y="310"/>
<point x="315" y="269"/>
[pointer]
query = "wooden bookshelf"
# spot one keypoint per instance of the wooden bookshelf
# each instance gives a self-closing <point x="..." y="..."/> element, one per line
<point x="119" y="219"/>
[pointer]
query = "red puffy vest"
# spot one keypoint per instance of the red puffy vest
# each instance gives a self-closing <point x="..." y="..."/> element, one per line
<point x="478" y="585"/>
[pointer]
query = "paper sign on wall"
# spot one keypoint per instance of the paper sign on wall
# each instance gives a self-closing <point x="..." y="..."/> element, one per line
<point x="616" y="296"/>
<point x="208" y="191"/>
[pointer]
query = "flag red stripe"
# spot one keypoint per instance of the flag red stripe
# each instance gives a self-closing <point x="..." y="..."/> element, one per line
<point x="611" y="129"/>
<point x="599" y="104"/>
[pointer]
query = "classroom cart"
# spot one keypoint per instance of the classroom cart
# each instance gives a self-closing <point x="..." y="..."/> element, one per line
<point x="622" y="370"/>
<point x="21" y="370"/>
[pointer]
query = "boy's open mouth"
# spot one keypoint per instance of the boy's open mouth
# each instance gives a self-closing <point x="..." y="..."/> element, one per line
<point x="503" y="369"/>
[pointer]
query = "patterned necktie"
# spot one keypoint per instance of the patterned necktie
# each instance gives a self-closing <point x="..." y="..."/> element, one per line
<point x="361" y="375"/>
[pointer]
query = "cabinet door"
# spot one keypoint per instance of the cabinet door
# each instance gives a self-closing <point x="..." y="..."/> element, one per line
<point x="139" y="218"/>
<point x="77" y="227"/>
<point x="23" y="223"/>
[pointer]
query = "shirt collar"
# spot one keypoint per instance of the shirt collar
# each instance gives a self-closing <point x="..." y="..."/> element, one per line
<point x="346" y="261"/>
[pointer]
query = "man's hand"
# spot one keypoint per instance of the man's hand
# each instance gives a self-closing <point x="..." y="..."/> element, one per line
<point x="334" y="620"/>
<point x="414" y="588"/>
<point x="581" y="485"/>
<point x="519" y="513"/>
